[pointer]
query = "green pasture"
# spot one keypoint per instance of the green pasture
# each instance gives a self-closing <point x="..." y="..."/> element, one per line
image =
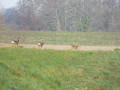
<point x="62" y="38"/>
<point x="33" y="69"/>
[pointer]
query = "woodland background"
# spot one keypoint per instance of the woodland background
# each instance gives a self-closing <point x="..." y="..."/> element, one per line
<point x="62" y="15"/>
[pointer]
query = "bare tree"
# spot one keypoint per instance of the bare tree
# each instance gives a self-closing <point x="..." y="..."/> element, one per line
<point x="70" y="15"/>
<point x="2" y="26"/>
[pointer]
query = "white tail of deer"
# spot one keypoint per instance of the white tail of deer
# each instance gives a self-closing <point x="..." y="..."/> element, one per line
<point x="15" y="42"/>
<point x="40" y="44"/>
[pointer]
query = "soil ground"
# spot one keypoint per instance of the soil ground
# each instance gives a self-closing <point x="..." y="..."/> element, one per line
<point x="64" y="47"/>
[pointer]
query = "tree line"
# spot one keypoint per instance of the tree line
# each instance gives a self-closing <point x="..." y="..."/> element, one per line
<point x="64" y="15"/>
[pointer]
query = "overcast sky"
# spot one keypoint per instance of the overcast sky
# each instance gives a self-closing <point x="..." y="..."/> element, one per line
<point x="8" y="3"/>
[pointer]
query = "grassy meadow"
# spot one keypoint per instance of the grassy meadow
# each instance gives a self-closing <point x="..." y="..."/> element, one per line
<point x="62" y="38"/>
<point x="33" y="69"/>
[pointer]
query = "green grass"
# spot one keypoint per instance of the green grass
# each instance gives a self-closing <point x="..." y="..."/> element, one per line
<point x="32" y="69"/>
<point x="62" y="38"/>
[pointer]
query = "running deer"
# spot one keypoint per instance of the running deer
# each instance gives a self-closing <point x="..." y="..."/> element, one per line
<point x="15" y="42"/>
<point x="40" y="44"/>
<point x="75" y="47"/>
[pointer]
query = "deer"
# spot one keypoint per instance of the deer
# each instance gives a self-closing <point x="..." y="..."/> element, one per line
<point x="15" y="42"/>
<point x="75" y="47"/>
<point x="40" y="44"/>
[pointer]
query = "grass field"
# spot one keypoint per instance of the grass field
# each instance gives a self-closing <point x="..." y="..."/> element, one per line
<point x="62" y="38"/>
<point x="32" y="69"/>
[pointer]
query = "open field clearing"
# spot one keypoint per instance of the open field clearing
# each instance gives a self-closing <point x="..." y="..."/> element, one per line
<point x="65" y="47"/>
<point x="33" y="69"/>
<point x="60" y="45"/>
<point x="62" y="38"/>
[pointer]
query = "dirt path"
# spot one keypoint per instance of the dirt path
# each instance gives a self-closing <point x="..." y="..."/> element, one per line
<point x="65" y="47"/>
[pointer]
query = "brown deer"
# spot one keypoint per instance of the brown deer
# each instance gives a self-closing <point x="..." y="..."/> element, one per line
<point x="40" y="44"/>
<point x="75" y="47"/>
<point x="15" y="42"/>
